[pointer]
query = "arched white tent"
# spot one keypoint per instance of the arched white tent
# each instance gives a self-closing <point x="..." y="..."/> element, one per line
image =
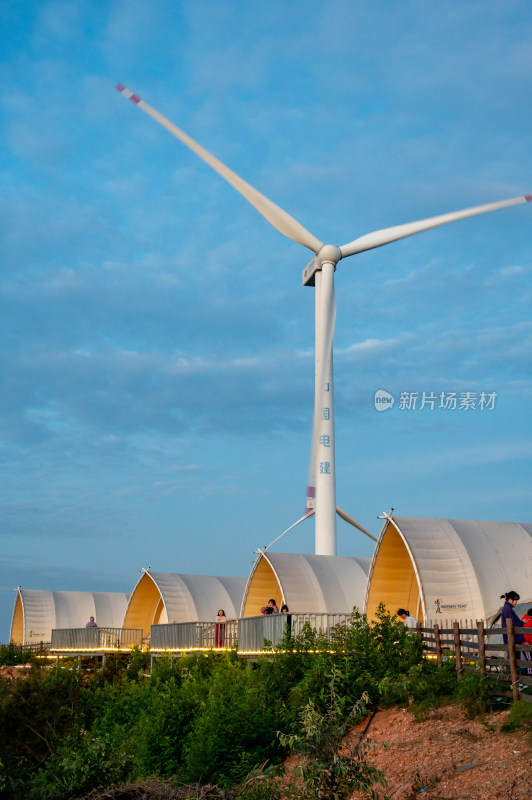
<point x="324" y="584"/>
<point x="37" y="612"/>
<point x="449" y="568"/>
<point x="161" y="597"/>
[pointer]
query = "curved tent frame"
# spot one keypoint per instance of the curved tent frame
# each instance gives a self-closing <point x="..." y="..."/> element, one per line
<point x="449" y="568"/>
<point x="37" y="612"/>
<point x="306" y="583"/>
<point x="162" y="597"/>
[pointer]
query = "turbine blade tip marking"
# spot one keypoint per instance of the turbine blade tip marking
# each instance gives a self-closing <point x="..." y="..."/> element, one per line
<point x="127" y="93"/>
<point x="528" y="198"/>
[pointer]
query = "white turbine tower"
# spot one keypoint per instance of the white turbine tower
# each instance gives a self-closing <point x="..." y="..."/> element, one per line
<point x="319" y="272"/>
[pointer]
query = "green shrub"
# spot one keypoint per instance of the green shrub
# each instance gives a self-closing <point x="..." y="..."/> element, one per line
<point x="261" y="784"/>
<point x="235" y="727"/>
<point x="424" y="686"/>
<point x="36" y="715"/>
<point x="138" y="664"/>
<point x="520" y="716"/>
<point x="11" y="654"/>
<point x="165" y="722"/>
<point x="476" y="692"/>
<point x="365" y="653"/>
<point x="81" y="763"/>
<point x="330" y="770"/>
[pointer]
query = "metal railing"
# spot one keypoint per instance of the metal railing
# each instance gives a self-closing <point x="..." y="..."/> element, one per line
<point x="183" y="636"/>
<point x="95" y="639"/>
<point x="253" y="631"/>
<point x="321" y="623"/>
<point x="250" y="633"/>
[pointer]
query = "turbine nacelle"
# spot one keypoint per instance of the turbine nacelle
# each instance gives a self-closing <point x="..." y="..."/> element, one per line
<point x="328" y="254"/>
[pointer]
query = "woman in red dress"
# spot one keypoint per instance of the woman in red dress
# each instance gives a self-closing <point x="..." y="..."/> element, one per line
<point x="220" y="628"/>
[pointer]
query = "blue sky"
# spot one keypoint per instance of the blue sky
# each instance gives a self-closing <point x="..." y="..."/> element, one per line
<point x="156" y="342"/>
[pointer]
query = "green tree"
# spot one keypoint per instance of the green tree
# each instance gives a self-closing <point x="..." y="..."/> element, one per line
<point x="330" y="769"/>
<point x="235" y="728"/>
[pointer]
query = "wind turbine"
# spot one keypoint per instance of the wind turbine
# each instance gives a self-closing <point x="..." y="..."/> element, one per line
<point x="319" y="272"/>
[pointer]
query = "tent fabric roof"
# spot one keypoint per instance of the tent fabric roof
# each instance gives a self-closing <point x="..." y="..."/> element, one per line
<point x="37" y="612"/>
<point x="161" y="597"/>
<point x="461" y="566"/>
<point x="307" y="583"/>
<point x="198" y="597"/>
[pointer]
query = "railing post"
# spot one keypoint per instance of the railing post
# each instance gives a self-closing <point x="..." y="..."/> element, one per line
<point x="481" y="646"/>
<point x="438" y="644"/>
<point x="458" y="649"/>
<point x="512" y="658"/>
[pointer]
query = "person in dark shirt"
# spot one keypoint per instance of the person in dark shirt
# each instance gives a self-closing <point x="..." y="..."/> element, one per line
<point x="508" y="612"/>
<point x="271" y="608"/>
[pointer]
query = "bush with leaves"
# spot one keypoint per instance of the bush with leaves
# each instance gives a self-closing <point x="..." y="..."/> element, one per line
<point x="36" y="715"/>
<point x="174" y="697"/>
<point x="520" y="716"/>
<point x="331" y="769"/>
<point x="424" y="685"/>
<point x="365" y="653"/>
<point x="82" y="763"/>
<point x="235" y="726"/>
<point x="475" y="692"/>
<point x="12" y="654"/>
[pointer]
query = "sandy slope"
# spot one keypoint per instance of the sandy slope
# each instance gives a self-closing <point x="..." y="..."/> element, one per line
<point x="434" y="758"/>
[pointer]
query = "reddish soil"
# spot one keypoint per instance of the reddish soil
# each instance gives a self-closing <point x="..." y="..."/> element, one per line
<point x="18" y="671"/>
<point x="449" y="756"/>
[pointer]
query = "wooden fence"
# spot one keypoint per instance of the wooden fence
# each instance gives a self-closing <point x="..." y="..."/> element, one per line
<point x="482" y="650"/>
<point x="37" y="648"/>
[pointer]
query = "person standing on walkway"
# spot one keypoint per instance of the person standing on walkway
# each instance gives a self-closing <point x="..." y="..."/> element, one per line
<point x="508" y="612"/>
<point x="270" y="608"/>
<point x="406" y="617"/>
<point x="221" y="619"/>
<point x="527" y="623"/>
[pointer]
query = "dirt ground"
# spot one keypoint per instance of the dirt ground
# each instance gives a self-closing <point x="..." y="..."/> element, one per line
<point x="18" y="671"/>
<point x="448" y="756"/>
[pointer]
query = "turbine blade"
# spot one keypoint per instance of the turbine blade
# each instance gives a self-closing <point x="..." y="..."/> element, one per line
<point x="301" y="519"/>
<point x="386" y="235"/>
<point x="275" y="215"/>
<point x="348" y="518"/>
